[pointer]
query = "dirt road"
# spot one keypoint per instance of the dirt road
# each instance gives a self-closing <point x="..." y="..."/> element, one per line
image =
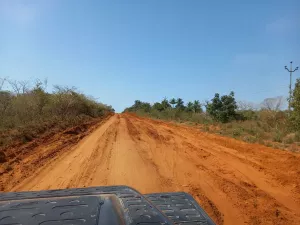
<point x="235" y="182"/>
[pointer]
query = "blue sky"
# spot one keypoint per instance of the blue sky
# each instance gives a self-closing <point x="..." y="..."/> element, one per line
<point x="119" y="51"/>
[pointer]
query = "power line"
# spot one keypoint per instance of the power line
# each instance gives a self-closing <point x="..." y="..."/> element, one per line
<point x="291" y="72"/>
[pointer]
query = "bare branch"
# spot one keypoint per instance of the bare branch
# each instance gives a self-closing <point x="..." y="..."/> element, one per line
<point x="243" y="105"/>
<point x="45" y="83"/>
<point x="24" y="85"/>
<point x="2" y="81"/>
<point x="273" y="104"/>
<point x="19" y="87"/>
<point x="15" y="85"/>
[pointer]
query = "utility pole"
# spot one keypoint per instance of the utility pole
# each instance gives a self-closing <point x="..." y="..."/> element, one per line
<point x="291" y="72"/>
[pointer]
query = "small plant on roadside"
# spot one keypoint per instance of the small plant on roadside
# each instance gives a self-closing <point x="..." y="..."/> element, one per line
<point x="297" y="136"/>
<point x="250" y="139"/>
<point x="268" y="144"/>
<point x="236" y="133"/>
<point x="289" y="140"/>
<point x="277" y="137"/>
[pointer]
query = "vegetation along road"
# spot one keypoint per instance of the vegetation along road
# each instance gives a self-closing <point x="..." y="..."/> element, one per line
<point x="234" y="181"/>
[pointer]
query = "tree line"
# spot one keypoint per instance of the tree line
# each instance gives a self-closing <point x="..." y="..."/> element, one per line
<point x="27" y="110"/>
<point x="165" y="104"/>
<point x="222" y="108"/>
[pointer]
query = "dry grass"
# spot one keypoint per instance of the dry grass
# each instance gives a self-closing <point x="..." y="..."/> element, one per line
<point x="28" y="114"/>
<point x="266" y="127"/>
<point x="270" y="131"/>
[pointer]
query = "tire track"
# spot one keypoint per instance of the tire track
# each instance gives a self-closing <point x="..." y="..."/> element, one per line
<point x="235" y="182"/>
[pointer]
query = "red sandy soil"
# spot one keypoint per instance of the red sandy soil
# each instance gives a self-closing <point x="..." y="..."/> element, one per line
<point x="235" y="182"/>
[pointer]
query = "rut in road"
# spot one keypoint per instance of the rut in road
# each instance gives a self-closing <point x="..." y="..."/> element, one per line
<point x="235" y="182"/>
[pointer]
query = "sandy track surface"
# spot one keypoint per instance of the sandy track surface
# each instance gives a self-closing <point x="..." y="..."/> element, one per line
<point x="235" y="182"/>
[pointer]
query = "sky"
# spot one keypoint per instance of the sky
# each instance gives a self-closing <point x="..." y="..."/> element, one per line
<point x="120" y="51"/>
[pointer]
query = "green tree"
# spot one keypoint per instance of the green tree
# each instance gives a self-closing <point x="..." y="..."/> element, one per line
<point x="146" y="106"/>
<point x="179" y="104"/>
<point x="173" y="102"/>
<point x="197" y="107"/>
<point x="158" y="106"/>
<point x="189" y="107"/>
<point x="165" y="104"/>
<point x="139" y="105"/>
<point x="295" y="104"/>
<point x="222" y="108"/>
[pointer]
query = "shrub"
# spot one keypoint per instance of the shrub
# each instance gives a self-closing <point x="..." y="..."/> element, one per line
<point x="170" y="110"/>
<point x="250" y="139"/>
<point x="277" y="136"/>
<point x="297" y="136"/>
<point x="236" y="133"/>
<point x="222" y="108"/>
<point x="295" y="103"/>
<point x="26" y="114"/>
<point x="289" y="140"/>
<point x="264" y="126"/>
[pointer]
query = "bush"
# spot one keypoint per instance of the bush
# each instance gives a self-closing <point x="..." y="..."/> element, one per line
<point x="236" y="132"/>
<point x="222" y="108"/>
<point x="248" y="115"/>
<point x="277" y="136"/>
<point x="289" y="140"/>
<point x="297" y="136"/>
<point x="264" y="126"/>
<point x="170" y="110"/>
<point x="250" y="139"/>
<point x="26" y="114"/>
<point x="295" y="104"/>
